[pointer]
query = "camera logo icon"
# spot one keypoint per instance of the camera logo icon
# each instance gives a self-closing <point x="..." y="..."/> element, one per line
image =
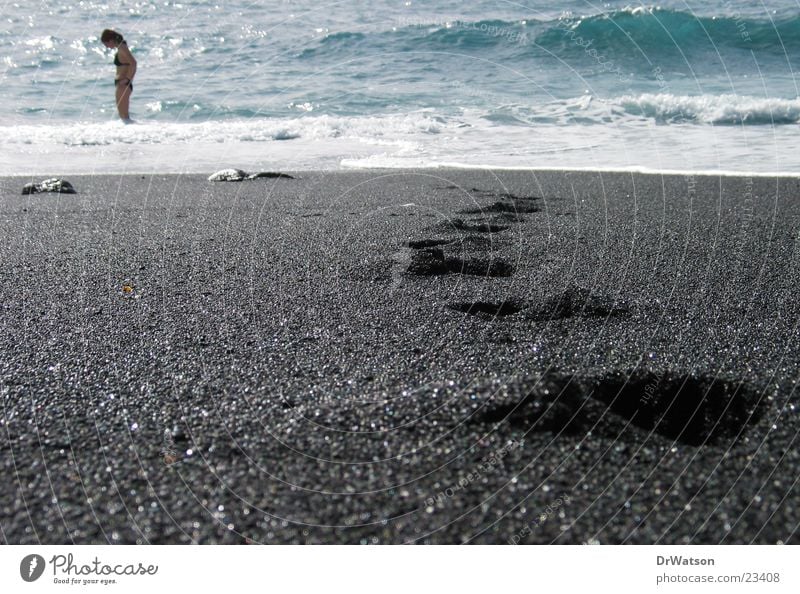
<point x="31" y="568"/>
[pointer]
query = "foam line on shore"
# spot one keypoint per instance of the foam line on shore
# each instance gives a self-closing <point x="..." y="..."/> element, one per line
<point x="639" y="170"/>
<point x="455" y="167"/>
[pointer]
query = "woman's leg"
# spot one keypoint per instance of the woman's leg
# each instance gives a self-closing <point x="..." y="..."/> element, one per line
<point x="123" y="99"/>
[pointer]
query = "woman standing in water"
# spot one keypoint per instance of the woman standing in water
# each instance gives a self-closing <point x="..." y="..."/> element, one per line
<point x="126" y="70"/>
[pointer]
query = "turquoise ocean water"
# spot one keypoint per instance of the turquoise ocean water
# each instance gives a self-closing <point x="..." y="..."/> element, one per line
<point x="682" y="86"/>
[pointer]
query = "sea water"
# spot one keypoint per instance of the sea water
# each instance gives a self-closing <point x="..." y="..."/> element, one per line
<point x="297" y="84"/>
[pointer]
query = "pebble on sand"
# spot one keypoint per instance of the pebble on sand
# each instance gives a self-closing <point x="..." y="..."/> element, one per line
<point x="49" y="185"/>
<point x="237" y="175"/>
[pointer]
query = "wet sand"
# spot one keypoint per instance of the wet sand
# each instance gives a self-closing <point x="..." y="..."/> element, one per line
<point x="401" y="356"/>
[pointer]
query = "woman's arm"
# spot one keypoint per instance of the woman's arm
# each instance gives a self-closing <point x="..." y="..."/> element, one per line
<point x="126" y="57"/>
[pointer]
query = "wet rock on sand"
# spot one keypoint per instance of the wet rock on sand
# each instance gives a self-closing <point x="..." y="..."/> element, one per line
<point x="54" y="184"/>
<point x="237" y="175"/>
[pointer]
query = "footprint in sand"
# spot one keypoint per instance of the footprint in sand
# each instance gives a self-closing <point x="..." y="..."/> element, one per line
<point x="479" y="226"/>
<point x="488" y="309"/>
<point x="433" y="262"/>
<point x="428" y="243"/>
<point x="690" y="409"/>
<point x="515" y="207"/>
<point x="576" y="302"/>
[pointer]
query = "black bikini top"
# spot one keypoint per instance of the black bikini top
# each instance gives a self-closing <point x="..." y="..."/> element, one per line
<point x="116" y="57"/>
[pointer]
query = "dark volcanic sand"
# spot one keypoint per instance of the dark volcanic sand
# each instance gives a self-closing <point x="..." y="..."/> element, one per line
<point x="319" y="360"/>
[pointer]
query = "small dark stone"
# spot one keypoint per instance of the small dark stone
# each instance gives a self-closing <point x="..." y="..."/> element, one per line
<point x="270" y="174"/>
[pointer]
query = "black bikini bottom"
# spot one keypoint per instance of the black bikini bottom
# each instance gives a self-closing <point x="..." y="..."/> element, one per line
<point x="130" y="84"/>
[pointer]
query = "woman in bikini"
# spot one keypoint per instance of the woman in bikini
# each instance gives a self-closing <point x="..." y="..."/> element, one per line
<point x="126" y="70"/>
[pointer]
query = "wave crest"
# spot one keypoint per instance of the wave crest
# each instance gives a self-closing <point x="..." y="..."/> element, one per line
<point x="711" y="109"/>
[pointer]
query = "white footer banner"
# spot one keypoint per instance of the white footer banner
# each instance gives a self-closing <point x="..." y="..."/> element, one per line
<point x="398" y="569"/>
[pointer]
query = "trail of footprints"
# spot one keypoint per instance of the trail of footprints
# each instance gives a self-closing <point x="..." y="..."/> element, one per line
<point x="689" y="409"/>
<point x="429" y="258"/>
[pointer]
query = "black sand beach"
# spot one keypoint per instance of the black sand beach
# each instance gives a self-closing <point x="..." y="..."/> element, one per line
<point x="401" y="357"/>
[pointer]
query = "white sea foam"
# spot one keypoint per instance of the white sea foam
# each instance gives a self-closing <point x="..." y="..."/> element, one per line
<point x="47" y="42"/>
<point x="385" y="128"/>
<point x="416" y="139"/>
<point x="705" y="109"/>
<point x="711" y="109"/>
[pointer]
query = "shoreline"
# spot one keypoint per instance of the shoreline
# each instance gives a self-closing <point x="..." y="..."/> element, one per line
<point x="401" y="356"/>
<point x="455" y="168"/>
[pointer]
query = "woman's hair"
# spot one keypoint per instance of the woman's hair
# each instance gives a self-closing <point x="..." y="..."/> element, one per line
<point x="111" y="35"/>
